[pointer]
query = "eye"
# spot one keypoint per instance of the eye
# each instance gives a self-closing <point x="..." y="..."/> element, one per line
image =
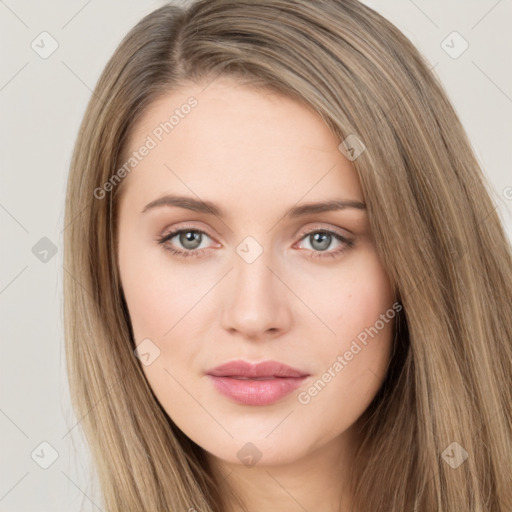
<point x="320" y="240"/>
<point x="190" y="239"/>
<point x="192" y="242"/>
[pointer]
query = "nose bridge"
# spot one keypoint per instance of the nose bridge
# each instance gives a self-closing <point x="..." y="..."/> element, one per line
<point x="254" y="281"/>
<point x="254" y="276"/>
<point x="256" y="301"/>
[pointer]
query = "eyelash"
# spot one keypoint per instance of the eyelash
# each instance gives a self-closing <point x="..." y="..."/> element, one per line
<point x="197" y="253"/>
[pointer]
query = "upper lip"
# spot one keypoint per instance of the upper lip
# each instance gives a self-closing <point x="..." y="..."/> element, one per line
<point x="255" y="370"/>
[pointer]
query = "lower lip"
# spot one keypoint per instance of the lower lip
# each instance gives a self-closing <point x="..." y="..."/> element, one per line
<point x="256" y="392"/>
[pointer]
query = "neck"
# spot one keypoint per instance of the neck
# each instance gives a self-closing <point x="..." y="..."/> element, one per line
<point x="320" y="476"/>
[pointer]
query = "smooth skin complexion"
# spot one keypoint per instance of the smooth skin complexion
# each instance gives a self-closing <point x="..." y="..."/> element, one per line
<point x="302" y="302"/>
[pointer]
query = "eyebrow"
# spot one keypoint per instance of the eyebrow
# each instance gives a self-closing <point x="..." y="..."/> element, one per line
<point x="196" y="205"/>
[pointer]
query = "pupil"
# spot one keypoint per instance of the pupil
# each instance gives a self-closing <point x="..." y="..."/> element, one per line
<point x="321" y="241"/>
<point x="190" y="239"/>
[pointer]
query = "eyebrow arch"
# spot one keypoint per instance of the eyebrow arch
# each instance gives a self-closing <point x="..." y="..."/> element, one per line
<point x="208" y="207"/>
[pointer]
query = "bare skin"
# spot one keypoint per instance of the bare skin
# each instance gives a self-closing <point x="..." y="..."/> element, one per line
<point x="302" y="301"/>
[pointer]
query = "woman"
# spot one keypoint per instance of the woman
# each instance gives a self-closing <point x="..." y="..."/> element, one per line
<point x="287" y="285"/>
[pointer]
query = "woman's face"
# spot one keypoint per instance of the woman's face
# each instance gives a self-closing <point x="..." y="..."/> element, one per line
<point x="257" y="274"/>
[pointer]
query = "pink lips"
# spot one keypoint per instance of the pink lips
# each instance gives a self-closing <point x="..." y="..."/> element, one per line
<point x="256" y="384"/>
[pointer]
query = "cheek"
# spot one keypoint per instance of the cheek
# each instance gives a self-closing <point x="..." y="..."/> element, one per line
<point x="352" y="299"/>
<point x="357" y="308"/>
<point x="149" y="310"/>
<point x="165" y="307"/>
<point x="369" y="318"/>
<point x="159" y="299"/>
<point x="158" y="292"/>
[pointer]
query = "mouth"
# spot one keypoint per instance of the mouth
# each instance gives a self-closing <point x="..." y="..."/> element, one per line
<point x="256" y="384"/>
<point x="255" y="378"/>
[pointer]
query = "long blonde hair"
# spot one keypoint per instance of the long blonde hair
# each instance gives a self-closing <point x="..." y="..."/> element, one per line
<point x="435" y="227"/>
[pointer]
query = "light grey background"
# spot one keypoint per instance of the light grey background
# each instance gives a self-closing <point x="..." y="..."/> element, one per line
<point x="42" y="101"/>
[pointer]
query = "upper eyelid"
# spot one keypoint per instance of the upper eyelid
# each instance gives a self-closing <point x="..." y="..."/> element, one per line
<point x="319" y="226"/>
<point x="176" y="231"/>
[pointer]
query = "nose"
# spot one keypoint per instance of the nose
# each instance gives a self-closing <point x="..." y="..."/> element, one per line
<point x="256" y="302"/>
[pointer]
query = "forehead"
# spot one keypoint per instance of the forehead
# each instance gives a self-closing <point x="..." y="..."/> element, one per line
<point x="230" y="140"/>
